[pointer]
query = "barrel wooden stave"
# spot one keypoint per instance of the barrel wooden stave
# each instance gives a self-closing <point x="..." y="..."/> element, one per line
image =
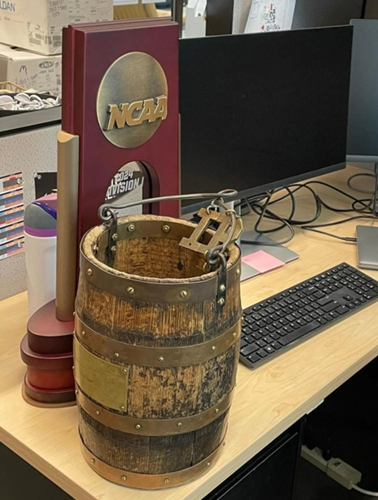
<point x="156" y="324"/>
<point x="150" y="454"/>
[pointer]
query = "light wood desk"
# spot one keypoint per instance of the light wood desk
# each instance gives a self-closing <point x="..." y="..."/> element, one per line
<point x="267" y="401"/>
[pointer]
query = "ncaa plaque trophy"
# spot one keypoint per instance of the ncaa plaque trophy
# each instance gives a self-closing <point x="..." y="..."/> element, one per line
<point x="120" y="106"/>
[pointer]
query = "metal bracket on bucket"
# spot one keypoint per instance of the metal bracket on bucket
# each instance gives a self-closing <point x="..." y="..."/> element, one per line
<point x="228" y="228"/>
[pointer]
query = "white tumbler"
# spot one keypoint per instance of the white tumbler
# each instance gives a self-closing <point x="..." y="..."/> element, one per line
<point x="40" y="251"/>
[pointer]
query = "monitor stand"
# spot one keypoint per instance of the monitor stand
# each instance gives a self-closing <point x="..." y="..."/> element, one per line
<point x="375" y="211"/>
<point x="263" y="243"/>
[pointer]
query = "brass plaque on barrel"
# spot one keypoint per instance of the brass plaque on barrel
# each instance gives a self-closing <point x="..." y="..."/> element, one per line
<point x="101" y="380"/>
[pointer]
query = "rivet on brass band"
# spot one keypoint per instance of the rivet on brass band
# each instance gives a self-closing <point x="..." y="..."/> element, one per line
<point x="153" y="427"/>
<point x="148" y="481"/>
<point x="156" y="356"/>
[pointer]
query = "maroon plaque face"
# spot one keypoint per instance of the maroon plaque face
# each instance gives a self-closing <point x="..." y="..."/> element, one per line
<point x="122" y="90"/>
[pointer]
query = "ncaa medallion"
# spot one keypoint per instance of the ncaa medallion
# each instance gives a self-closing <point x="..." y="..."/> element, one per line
<point x="132" y="100"/>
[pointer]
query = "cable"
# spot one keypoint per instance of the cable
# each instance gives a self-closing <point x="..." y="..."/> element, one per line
<point x="261" y="212"/>
<point x="365" y="492"/>
<point x="345" y="238"/>
<point x="260" y="205"/>
<point x="365" y="191"/>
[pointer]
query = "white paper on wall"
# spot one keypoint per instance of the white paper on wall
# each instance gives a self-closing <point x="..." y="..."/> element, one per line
<point x="191" y="4"/>
<point x="270" y="15"/>
<point x="201" y="8"/>
<point x="125" y="2"/>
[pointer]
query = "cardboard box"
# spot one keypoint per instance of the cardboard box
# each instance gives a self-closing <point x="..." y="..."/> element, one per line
<point x="31" y="70"/>
<point x="37" y="25"/>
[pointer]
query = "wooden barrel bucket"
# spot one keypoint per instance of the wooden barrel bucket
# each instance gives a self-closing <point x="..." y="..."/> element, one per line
<point x="155" y="355"/>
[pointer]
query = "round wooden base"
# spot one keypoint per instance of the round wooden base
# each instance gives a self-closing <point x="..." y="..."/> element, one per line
<point x="47" y="399"/>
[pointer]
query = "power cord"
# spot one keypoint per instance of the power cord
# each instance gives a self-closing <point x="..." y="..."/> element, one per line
<point x="336" y="469"/>
<point x="261" y="206"/>
<point x="365" y="492"/>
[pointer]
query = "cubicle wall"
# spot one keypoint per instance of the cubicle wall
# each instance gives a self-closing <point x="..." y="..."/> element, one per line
<point x="32" y="153"/>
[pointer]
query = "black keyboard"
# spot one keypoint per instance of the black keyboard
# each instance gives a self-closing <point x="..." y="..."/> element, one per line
<point x="283" y="320"/>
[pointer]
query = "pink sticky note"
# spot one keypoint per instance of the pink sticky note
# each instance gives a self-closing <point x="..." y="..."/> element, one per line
<point x="262" y="261"/>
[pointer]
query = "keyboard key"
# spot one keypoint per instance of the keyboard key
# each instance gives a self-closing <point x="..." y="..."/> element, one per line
<point x="298" y="333"/>
<point x="342" y="310"/>
<point x="268" y="339"/>
<point x="256" y="317"/>
<point x="261" y="324"/>
<point x="256" y="336"/>
<point x="261" y="343"/>
<point x="254" y="357"/>
<point x="324" y="301"/>
<point x="277" y="346"/>
<point x="281" y="333"/>
<point x="274" y="335"/>
<point x="246" y="351"/>
<point x="269" y="349"/>
<point x="243" y="343"/>
<point x="334" y="314"/>
<point x="331" y="306"/>
<point x="301" y="322"/>
<point x="262" y="353"/>
<point x="288" y="329"/>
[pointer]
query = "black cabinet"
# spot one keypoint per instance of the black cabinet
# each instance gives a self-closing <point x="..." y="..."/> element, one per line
<point x="20" y="481"/>
<point x="268" y="476"/>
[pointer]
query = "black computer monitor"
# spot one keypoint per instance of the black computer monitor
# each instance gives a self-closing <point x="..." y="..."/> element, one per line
<point x="363" y="100"/>
<point x="320" y="13"/>
<point x="260" y="111"/>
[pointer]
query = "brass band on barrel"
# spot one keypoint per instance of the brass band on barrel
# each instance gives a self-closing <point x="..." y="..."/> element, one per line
<point x="148" y="481"/>
<point x="149" y="229"/>
<point x="159" y="292"/>
<point x="164" y="357"/>
<point x="153" y="427"/>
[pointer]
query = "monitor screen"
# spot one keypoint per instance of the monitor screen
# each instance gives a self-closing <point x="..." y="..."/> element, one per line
<point x="261" y="110"/>
<point x="317" y="13"/>
<point x="363" y="103"/>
